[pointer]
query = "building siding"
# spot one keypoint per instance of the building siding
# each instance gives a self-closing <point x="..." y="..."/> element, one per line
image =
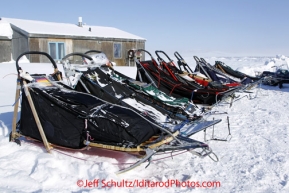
<point x="5" y="50"/>
<point x="76" y="45"/>
<point x="19" y="44"/>
<point x="22" y="42"/>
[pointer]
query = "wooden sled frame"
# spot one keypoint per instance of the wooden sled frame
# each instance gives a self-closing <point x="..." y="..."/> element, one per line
<point x="21" y="77"/>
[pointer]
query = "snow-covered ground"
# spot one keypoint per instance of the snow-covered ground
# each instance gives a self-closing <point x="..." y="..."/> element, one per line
<point x="256" y="159"/>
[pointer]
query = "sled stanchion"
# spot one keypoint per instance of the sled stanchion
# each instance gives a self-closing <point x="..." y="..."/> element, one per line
<point x="137" y="62"/>
<point x="84" y="86"/>
<point x="205" y="140"/>
<point x="213" y="138"/>
<point x="56" y="71"/>
<point x="229" y="137"/>
<point x="198" y="61"/>
<point x="35" y="115"/>
<point x="15" y="115"/>
<point x="213" y="133"/>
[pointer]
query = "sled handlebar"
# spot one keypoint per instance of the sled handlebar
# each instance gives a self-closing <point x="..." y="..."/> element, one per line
<point x="77" y="54"/>
<point x="142" y="50"/>
<point x="197" y="59"/>
<point x="182" y="64"/>
<point x="160" y="51"/>
<point x="178" y="56"/>
<point x="203" y="60"/>
<point x="91" y="51"/>
<point x="35" y="52"/>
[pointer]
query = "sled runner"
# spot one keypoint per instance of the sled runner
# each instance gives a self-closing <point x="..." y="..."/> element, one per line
<point x="63" y="118"/>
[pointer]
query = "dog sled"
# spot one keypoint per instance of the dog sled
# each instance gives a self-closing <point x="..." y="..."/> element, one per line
<point x="60" y="117"/>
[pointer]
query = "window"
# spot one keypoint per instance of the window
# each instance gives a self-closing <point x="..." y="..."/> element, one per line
<point x="56" y="50"/>
<point x="117" y="50"/>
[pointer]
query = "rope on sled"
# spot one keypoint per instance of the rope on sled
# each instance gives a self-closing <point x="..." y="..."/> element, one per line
<point x="9" y="74"/>
<point x="137" y="149"/>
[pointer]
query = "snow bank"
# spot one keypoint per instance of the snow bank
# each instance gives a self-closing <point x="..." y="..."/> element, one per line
<point x="24" y="59"/>
<point x="128" y="71"/>
<point x="247" y="65"/>
<point x="280" y="61"/>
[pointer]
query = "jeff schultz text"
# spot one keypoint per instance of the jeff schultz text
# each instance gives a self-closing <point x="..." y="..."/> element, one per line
<point x="146" y="183"/>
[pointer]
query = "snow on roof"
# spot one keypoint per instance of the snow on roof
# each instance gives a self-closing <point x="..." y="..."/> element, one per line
<point x="6" y="30"/>
<point x="32" y="27"/>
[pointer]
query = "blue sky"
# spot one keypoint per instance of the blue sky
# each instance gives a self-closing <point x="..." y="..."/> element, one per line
<point x="202" y="27"/>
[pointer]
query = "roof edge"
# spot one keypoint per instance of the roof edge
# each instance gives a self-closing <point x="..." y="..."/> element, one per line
<point x="4" y="38"/>
<point x="34" y="35"/>
<point x="21" y="31"/>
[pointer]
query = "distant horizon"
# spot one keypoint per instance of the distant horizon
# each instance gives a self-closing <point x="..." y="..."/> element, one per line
<point x="171" y="54"/>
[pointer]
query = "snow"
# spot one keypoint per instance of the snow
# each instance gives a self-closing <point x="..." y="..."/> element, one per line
<point x="51" y="28"/>
<point x="254" y="160"/>
<point x="6" y="29"/>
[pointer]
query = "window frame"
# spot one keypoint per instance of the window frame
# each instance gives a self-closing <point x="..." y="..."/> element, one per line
<point x="117" y="46"/>
<point x="57" y="50"/>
